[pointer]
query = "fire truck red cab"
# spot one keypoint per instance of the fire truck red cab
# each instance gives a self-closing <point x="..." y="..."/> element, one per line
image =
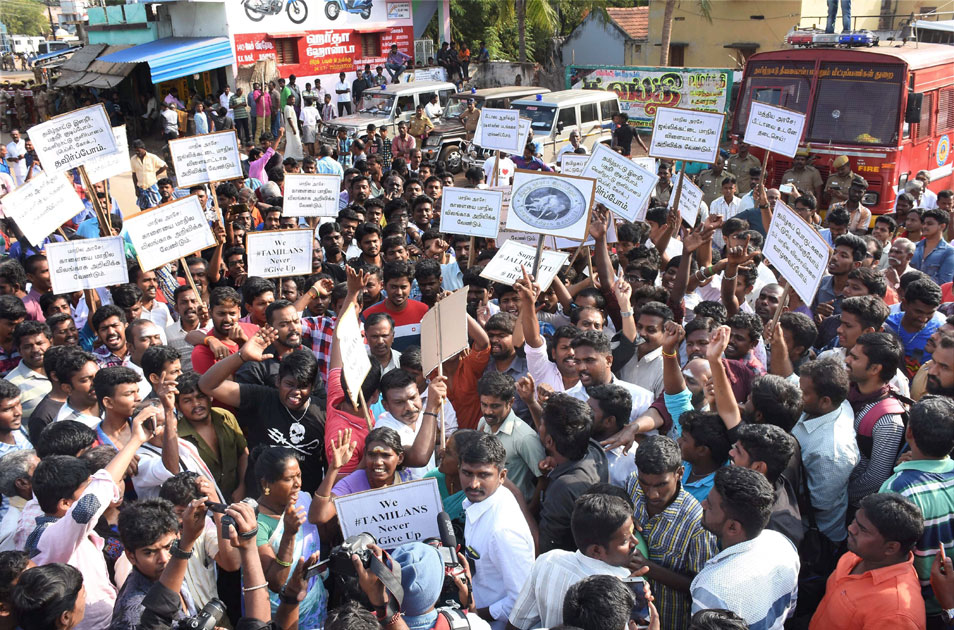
<point x="889" y="108"/>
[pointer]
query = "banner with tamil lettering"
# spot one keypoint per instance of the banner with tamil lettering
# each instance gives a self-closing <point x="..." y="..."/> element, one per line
<point x="642" y="90"/>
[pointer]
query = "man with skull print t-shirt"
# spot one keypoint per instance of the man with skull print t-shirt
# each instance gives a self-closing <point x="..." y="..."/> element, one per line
<point x="282" y="416"/>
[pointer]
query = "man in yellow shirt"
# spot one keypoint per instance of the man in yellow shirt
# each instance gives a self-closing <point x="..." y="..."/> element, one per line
<point x="740" y="164"/>
<point x="419" y="125"/>
<point x="841" y="178"/>
<point x="146" y="168"/>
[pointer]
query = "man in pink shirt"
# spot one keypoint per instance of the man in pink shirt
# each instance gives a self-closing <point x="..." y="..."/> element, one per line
<point x="401" y="145"/>
<point x="263" y="111"/>
<point x="257" y="159"/>
<point x="38" y="273"/>
<point x="72" y="502"/>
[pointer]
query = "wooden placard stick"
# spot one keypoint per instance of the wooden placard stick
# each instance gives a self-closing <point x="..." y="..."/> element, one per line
<point x="536" y="259"/>
<point x="782" y="303"/>
<point x="215" y="203"/>
<point x="190" y="279"/>
<point x="94" y="201"/>
<point x="367" y="412"/>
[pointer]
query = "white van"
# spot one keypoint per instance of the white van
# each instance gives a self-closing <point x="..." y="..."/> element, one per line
<point x="553" y="116"/>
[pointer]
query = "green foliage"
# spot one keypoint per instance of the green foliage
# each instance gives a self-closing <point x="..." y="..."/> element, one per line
<point x="495" y="22"/>
<point x="25" y="17"/>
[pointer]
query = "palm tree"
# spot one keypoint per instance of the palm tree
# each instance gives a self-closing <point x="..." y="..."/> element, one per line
<point x="705" y="7"/>
<point x="539" y="13"/>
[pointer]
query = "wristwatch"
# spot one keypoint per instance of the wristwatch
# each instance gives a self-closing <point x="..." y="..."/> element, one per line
<point x="626" y="313"/>
<point x="176" y="552"/>
<point x="947" y="616"/>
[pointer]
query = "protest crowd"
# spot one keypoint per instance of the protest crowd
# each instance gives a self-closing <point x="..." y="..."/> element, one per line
<point x="667" y="435"/>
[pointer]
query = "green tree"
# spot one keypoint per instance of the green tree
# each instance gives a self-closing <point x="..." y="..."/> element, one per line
<point x="25" y="17"/>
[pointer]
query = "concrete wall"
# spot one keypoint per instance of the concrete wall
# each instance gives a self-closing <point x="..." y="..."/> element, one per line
<point x="595" y="42"/>
<point x="137" y="30"/>
<point x="500" y="73"/>
<point x="198" y="19"/>
<point x="733" y="21"/>
<point x="813" y="12"/>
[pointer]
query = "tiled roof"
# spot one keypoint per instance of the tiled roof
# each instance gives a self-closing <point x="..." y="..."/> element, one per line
<point x="633" y="21"/>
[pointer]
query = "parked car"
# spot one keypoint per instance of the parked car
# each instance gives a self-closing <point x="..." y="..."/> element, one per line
<point x="386" y="106"/>
<point x="556" y="114"/>
<point x="448" y="140"/>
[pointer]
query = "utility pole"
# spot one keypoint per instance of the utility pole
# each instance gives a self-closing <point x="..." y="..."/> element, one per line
<point x="49" y="11"/>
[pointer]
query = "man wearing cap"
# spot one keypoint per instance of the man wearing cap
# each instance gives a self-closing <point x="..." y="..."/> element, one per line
<point x="740" y="164"/>
<point x="803" y="176"/>
<point x="860" y="216"/>
<point x="710" y="180"/>
<point x="422" y="577"/>
<point x="838" y="182"/>
<point x="469" y="117"/>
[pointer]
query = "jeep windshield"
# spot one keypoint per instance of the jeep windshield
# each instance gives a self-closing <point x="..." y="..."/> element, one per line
<point x="377" y="103"/>
<point x="456" y="106"/>
<point x="541" y="116"/>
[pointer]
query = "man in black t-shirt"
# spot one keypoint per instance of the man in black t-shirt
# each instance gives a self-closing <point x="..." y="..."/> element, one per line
<point x="278" y="415"/>
<point x="623" y="133"/>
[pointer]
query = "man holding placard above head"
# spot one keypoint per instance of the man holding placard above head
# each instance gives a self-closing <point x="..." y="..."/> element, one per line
<point x="147" y="168"/>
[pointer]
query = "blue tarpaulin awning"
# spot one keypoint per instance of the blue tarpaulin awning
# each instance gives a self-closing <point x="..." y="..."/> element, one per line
<point x="173" y="57"/>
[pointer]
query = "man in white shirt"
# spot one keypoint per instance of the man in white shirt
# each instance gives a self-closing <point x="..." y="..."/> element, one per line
<point x="16" y="157"/>
<point x="76" y="371"/>
<point x="755" y="575"/>
<point x="16" y="471"/>
<point x="343" y="90"/>
<point x="408" y="415"/>
<point x="224" y="99"/>
<point x="594" y="359"/>
<point x="433" y="109"/>
<point x="726" y="206"/>
<point x="505" y="170"/>
<point x="572" y="146"/>
<point x="495" y="528"/>
<point x="602" y="526"/>
<point x="561" y="373"/>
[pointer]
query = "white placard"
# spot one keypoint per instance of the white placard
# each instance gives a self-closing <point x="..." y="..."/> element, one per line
<point x="499" y="130"/>
<point x="648" y="163"/>
<point x="685" y="134"/>
<point x="279" y="253"/>
<point x="444" y="330"/>
<point x="524" y="135"/>
<point x="797" y="251"/>
<point x="545" y="203"/>
<point x="42" y="204"/>
<point x="622" y="185"/>
<point x="311" y="195"/>
<point x="212" y="157"/>
<point x="73" y="139"/>
<point x="565" y="243"/>
<point x="690" y="198"/>
<point x="505" y="202"/>
<point x="354" y="356"/>
<point x="168" y="232"/>
<point x="113" y="164"/>
<point x="471" y="212"/>
<point x="505" y="266"/>
<point x="526" y="238"/>
<point x="395" y="515"/>
<point x="774" y="129"/>
<point x="573" y="163"/>
<point x="87" y="264"/>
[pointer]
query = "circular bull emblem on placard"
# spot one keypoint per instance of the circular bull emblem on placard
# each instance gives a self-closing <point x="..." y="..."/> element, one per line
<point x="548" y="203"/>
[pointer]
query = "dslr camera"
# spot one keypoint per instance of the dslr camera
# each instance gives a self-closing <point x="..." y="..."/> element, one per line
<point x="340" y="557"/>
<point x="207" y="618"/>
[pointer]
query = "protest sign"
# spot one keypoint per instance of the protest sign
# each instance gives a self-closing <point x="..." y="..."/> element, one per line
<point x="647" y="163"/>
<point x="87" y="264"/>
<point x="505" y="201"/>
<point x="169" y="232"/>
<point x="395" y="515"/>
<point x="774" y="128"/>
<point x="444" y="330"/>
<point x="498" y="130"/>
<point x="355" y="362"/>
<point x="622" y="185"/>
<point x="278" y="253"/>
<point x="798" y="252"/>
<point x="682" y="134"/>
<point x="505" y="266"/>
<point x="112" y="164"/>
<point x="690" y="199"/>
<point x="471" y="212"/>
<point x="545" y="203"/>
<point x="566" y="243"/>
<point x="212" y="157"/>
<point x="526" y="238"/>
<point x="311" y="195"/>
<point x="573" y="163"/>
<point x="42" y="204"/>
<point x="73" y="139"/>
<point x="524" y="135"/>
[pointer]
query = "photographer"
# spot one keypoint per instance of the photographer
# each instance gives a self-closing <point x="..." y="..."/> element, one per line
<point x="422" y="578"/>
<point x="163" y="602"/>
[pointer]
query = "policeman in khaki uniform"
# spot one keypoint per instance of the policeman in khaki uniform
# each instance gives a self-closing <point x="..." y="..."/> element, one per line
<point x="740" y="164"/>
<point x="841" y="178"/>
<point x="803" y="176"/>
<point x="469" y="117"/>
<point x="710" y="180"/>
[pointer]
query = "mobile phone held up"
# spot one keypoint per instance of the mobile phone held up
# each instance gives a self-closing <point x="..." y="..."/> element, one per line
<point x="640" y="611"/>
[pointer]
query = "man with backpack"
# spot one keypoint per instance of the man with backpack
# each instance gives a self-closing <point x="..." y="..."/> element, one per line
<point x="879" y="428"/>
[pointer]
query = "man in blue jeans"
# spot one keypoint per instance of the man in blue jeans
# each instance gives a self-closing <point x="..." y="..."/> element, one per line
<point x="396" y="63"/>
<point x="845" y="16"/>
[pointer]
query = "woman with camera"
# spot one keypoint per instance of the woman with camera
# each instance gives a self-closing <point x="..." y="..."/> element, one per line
<point x="284" y="536"/>
<point x="383" y="466"/>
